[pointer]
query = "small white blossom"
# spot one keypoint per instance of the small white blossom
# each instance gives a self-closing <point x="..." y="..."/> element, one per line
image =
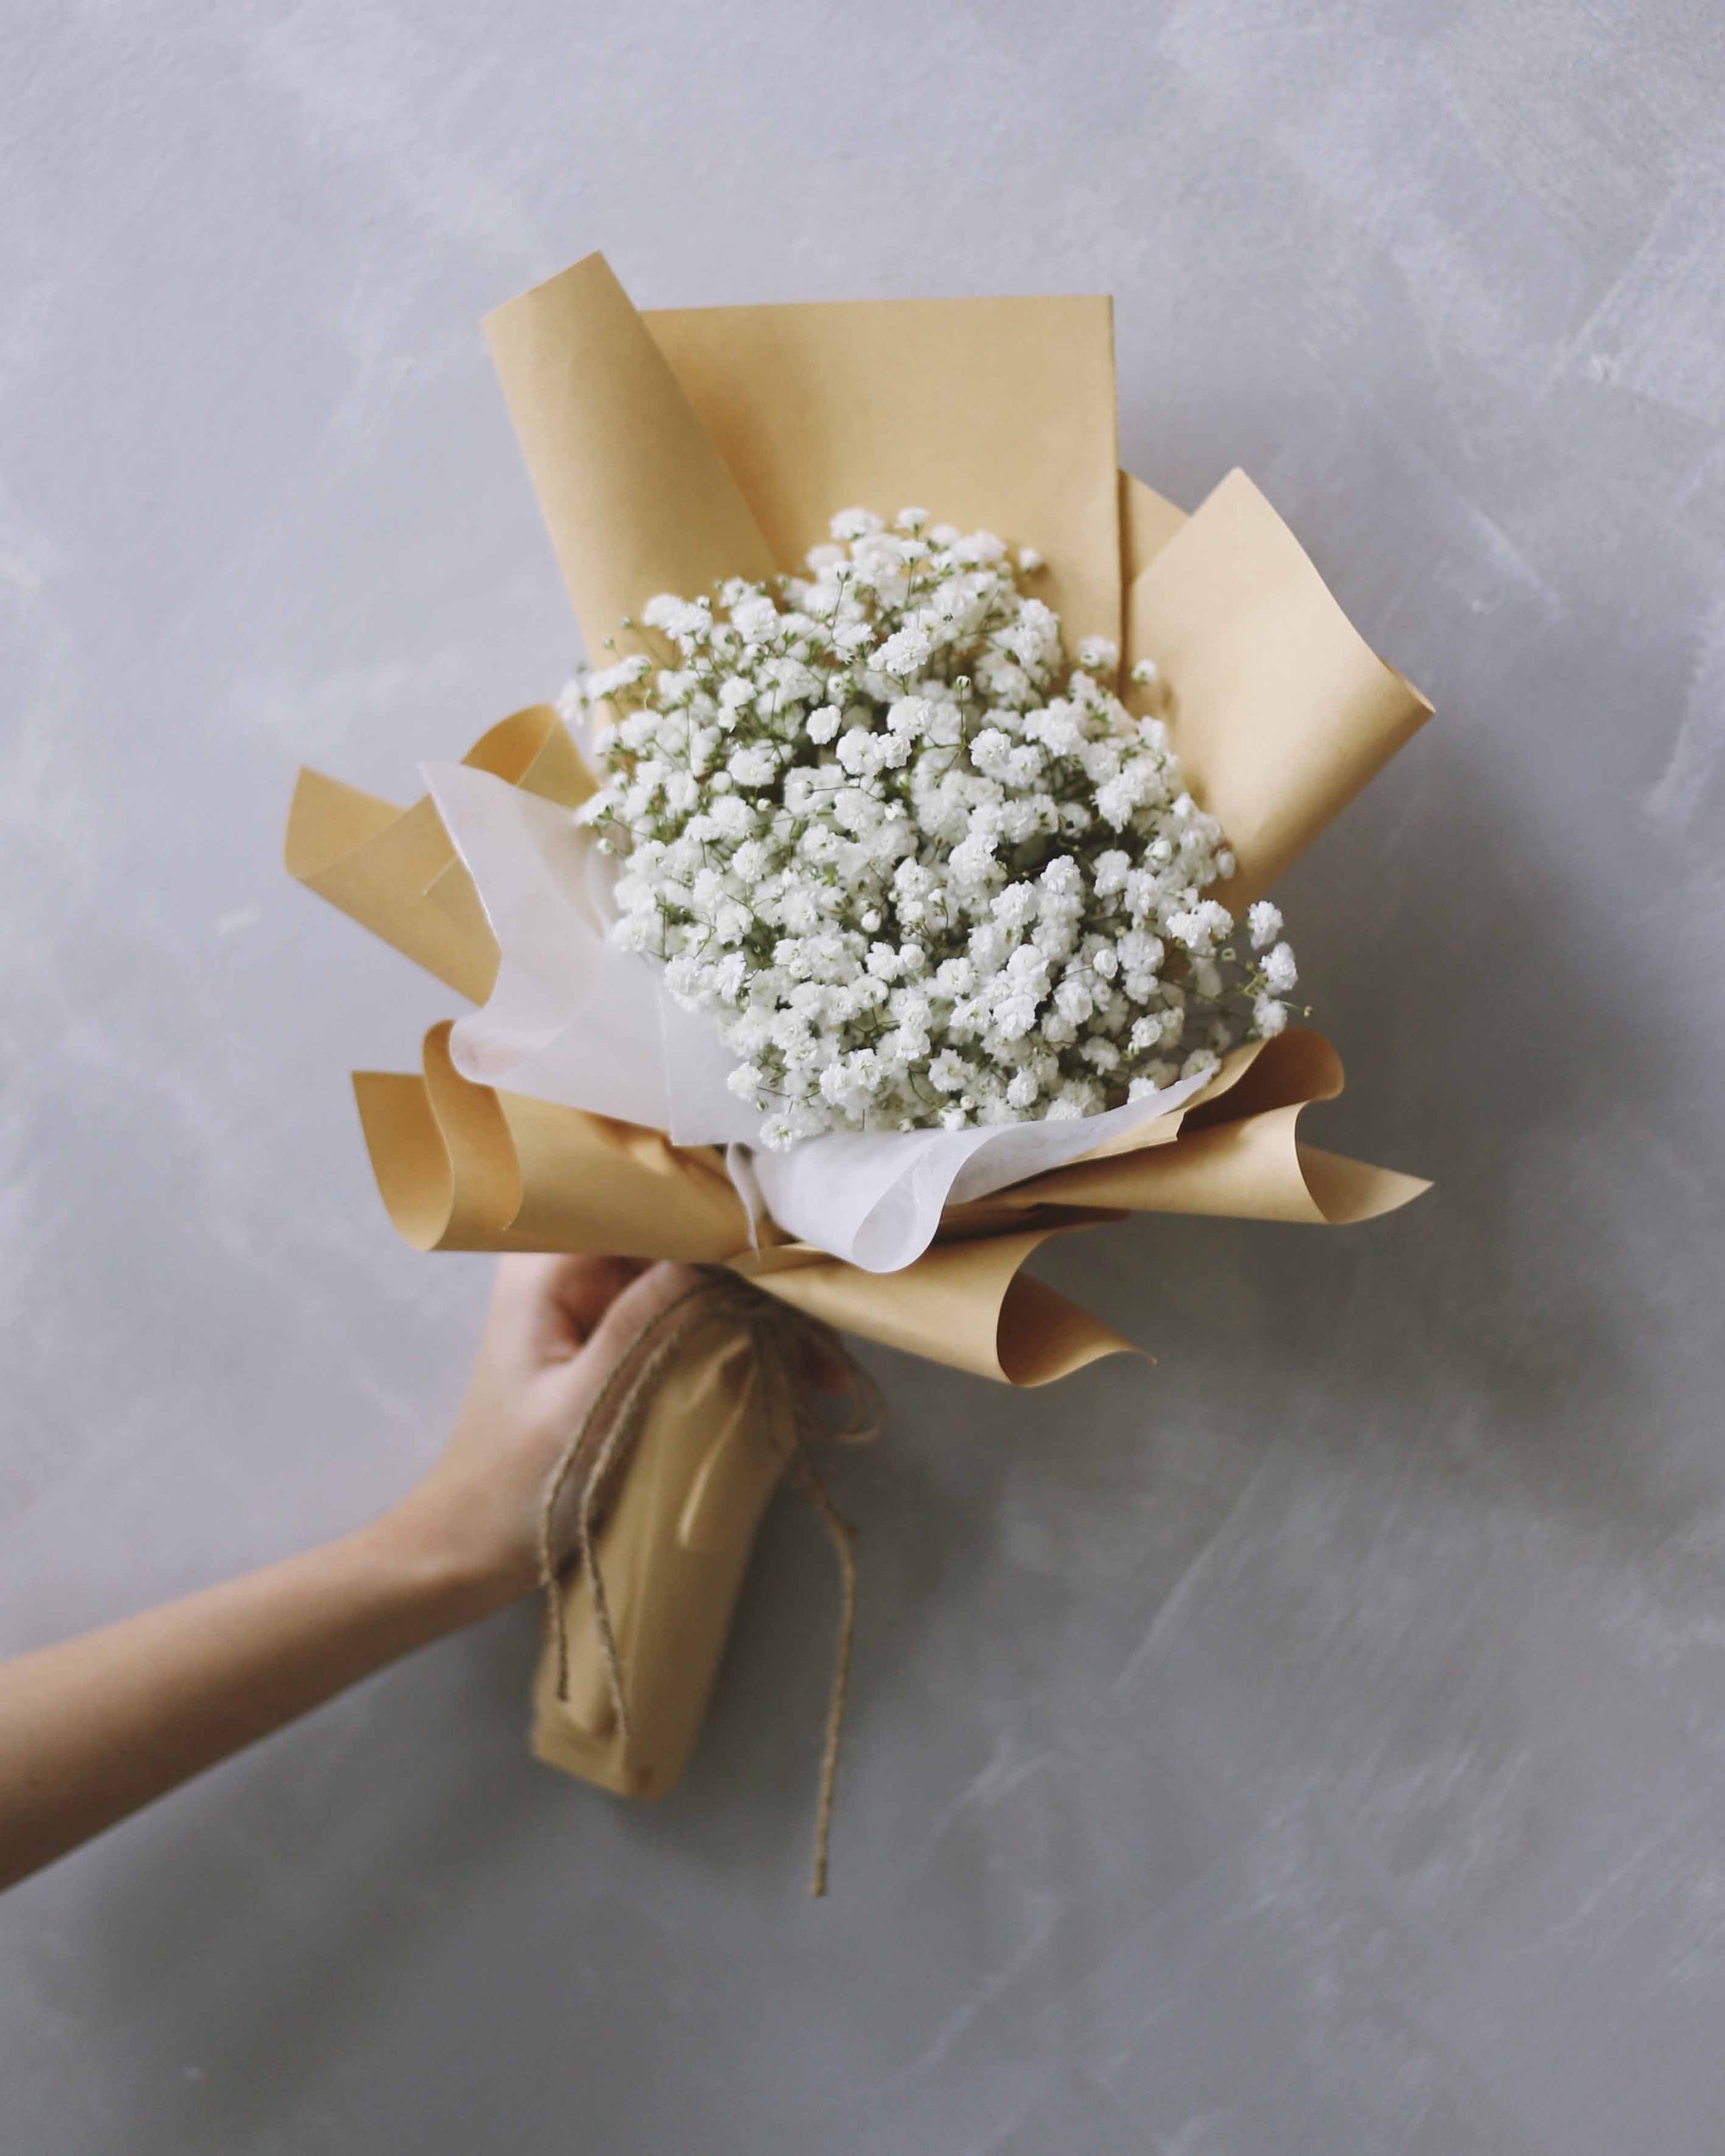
<point x="755" y="619"/>
<point x="1280" y="972"/>
<point x="905" y="651"/>
<point x="597" y="687"/>
<point x="854" y="523"/>
<point x="754" y="766"/>
<point x="685" y="620"/>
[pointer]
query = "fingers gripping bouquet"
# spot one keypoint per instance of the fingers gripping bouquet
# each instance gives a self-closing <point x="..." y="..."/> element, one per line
<point x="871" y="917"/>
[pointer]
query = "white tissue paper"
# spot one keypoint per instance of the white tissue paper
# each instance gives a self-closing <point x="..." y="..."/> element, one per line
<point x="574" y="1019"/>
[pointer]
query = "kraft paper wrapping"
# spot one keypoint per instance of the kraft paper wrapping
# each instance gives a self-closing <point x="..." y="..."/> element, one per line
<point x="1148" y="522"/>
<point x="993" y="413"/>
<point x="464" y="1167"/>
<point x="395" y="871"/>
<point x="671" y="450"/>
<point x="1281" y="712"/>
<point x="635" y="496"/>
<point x="674" y="1550"/>
<point x="461" y="1167"/>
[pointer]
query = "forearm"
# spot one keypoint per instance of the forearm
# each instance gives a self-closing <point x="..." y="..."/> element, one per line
<point x="90" y="1730"/>
<point x="94" y="1728"/>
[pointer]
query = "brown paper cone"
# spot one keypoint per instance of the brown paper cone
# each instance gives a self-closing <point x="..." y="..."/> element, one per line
<point x="1281" y="710"/>
<point x="967" y="1304"/>
<point x="1237" y="1152"/>
<point x="635" y="494"/>
<point x="461" y="1167"/>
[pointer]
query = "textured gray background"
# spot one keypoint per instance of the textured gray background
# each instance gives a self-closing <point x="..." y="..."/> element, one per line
<point x="1314" y="1744"/>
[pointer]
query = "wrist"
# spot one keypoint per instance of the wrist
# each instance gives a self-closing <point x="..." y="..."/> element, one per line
<point x="448" y="1553"/>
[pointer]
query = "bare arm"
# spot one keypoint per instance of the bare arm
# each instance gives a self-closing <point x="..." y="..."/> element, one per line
<point x="93" y="1728"/>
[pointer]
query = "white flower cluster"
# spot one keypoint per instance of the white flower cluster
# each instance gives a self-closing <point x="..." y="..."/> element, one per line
<point x="918" y="872"/>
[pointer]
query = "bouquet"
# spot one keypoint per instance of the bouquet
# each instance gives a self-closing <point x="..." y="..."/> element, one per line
<point x="889" y="897"/>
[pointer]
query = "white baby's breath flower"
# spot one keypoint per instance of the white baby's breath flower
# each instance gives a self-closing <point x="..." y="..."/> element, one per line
<point x="755" y="619"/>
<point x="905" y="651"/>
<point x="917" y="872"/>
<point x="753" y="765"/>
<point x="686" y="620"/>
<point x="1280" y="972"/>
<point x="855" y="524"/>
<point x="608" y="681"/>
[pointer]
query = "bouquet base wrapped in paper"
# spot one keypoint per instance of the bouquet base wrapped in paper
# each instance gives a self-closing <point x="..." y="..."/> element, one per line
<point x="716" y="1437"/>
<point x="669" y="451"/>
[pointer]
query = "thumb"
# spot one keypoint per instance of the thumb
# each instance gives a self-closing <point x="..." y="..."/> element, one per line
<point x="580" y="1383"/>
<point x="619" y="1331"/>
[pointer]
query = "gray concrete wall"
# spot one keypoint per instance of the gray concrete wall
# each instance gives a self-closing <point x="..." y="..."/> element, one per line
<point x="1316" y="1743"/>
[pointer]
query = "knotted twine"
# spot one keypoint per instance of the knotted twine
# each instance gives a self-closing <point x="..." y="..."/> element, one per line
<point x="788" y="1346"/>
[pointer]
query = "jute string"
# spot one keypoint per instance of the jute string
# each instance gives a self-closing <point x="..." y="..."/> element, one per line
<point x="787" y="1347"/>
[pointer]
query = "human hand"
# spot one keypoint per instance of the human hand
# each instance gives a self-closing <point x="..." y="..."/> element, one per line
<point x="557" y="1329"/>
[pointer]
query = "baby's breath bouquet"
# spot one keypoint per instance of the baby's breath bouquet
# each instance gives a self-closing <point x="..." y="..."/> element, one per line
<point x="918" y="871"/>
<point x="890" y="899"/>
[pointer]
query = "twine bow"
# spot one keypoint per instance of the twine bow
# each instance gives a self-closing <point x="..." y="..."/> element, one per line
<point x="789" y="1348"/>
